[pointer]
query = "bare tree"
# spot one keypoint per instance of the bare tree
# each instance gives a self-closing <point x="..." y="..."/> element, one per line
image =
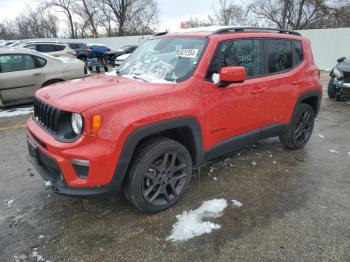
<point x="194" y="22"/>
<point x="87" y="10"/>
<point x="290" y="14"/>
<point x="228" y="13"/>
<point x="131" y="15"/>
<point x="65" y="6"/>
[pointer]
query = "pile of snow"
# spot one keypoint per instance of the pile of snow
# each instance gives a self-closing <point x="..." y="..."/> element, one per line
<point x="236" y="203"/>
<point x="9" y="202"/>
<point x="16" y="111"/>
<point x="333" y="151"/>
<point x="190" y="224"/>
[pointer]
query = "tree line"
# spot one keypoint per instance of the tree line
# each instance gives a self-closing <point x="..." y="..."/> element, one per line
<point x="283" y="14"/>
<point x="84" y="18"/>
<point x="96" y="18"/>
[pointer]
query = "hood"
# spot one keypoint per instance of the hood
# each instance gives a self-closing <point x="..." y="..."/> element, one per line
<point x="81" y="94"/>
<point x="344" y="65"/>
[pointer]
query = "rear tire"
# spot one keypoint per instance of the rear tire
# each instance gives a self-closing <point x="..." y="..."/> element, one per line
<point x="300" y="129"/>
<point x="331" y="89"/>
<point x="159" y="175"/>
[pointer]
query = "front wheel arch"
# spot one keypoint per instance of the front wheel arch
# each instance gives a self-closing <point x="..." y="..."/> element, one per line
<point x="153" y="130"/>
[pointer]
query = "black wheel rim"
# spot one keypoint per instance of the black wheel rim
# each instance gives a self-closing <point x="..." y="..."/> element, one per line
<point x="304" y="127"/>
<point x="165" y="178"/>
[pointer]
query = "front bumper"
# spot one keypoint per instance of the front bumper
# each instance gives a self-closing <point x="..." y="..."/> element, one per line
<point x="342" y="89"/>
<point x="53" y="161"/>
<point x="50" y="171"/>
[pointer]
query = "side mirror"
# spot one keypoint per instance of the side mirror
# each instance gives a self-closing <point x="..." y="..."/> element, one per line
<point x="341" y="59"/>
<point x="230" y="74"/>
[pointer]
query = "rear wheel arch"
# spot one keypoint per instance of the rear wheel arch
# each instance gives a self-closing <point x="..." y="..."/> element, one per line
<point x="312" y="98"/>
<point x="185" y="130"/>
<point x="51" y="82"/>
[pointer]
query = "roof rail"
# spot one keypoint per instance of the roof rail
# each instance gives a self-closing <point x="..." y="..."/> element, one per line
<point x="259" y="29"/>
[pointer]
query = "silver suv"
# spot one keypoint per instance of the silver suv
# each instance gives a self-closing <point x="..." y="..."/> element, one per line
<point x="51" y="48"/>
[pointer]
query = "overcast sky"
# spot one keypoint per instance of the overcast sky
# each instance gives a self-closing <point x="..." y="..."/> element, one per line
<point x="172" y="12"/>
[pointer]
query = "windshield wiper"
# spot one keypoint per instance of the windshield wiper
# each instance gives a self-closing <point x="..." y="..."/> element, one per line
<point x="140" y="78"/>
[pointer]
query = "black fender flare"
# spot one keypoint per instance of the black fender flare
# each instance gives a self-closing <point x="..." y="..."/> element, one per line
<point x="311" y="93"/>
<point x="152" y="129"/>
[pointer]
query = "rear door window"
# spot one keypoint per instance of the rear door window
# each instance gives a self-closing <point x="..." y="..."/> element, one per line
<point x="16" y="62"/>
<point x="279" y="55"/>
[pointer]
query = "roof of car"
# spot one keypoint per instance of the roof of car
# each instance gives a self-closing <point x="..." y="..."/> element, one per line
<point x="217" y="30"/>
<point x="16" y="50"/>
<point x="46" y="42"/>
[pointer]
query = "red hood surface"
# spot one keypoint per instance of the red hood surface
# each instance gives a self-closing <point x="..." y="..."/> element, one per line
<point x="81" y="94"/>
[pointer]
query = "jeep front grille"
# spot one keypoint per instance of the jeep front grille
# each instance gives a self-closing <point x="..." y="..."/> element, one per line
<point x="47" y="116"/>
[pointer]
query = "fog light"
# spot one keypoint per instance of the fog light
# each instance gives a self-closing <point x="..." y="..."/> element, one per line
<point x="81" y="167"/>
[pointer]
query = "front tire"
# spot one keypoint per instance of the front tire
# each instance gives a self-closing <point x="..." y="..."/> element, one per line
<point x="159" y="176"/>
<point x="331" y="89"/>
<point x="300" y="129"/>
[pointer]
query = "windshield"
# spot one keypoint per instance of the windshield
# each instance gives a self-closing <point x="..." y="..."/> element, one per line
<point x="162" y="60"/>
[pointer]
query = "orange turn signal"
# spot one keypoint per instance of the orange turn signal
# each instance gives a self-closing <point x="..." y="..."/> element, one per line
<point x="96" y="123"/>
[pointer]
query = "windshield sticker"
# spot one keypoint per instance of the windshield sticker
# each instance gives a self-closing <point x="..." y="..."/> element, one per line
<point x="190" y="53"/>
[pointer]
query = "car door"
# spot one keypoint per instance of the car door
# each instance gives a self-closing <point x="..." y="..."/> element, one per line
<point x="279" y="80"/>
<point x="20" y="77"/>
<point x="234" y="109"/>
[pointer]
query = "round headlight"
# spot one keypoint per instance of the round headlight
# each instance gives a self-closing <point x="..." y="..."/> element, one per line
<point x="77" y="123"/>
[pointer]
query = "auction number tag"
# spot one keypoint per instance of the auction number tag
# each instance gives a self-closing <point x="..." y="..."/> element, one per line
<point x="190" y="53"/>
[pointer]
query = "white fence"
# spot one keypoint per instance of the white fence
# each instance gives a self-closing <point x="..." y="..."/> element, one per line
<point x="327" y="44"/>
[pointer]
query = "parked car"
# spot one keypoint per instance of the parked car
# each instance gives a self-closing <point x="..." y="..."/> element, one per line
<point x="23" y="71"/>
<point x="339" y="85"/>
<point x="83" y="52"/>
<point x="52" y="48"/>
<point x="7" y="43"/>
<point x="120" y="59"/>
<point x="98" y="50"/>
<point x="178" y="101"/>
<point x="113" y="55"/>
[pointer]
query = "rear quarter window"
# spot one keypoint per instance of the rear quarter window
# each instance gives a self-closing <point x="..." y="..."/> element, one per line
<point x="59" y="47"/>
<point x="45" y="48"/>
<point x="298" y="53"/>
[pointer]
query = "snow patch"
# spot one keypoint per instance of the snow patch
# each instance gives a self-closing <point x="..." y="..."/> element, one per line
<point x="9" y="202"/>
<point x="236" y="203"/>
<point x="190" y="224"/>
<point x="333" y="151"/>
<point x="16" y="111"/>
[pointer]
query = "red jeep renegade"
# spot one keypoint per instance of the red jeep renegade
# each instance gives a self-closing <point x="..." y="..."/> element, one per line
<point x="177" y="101"/>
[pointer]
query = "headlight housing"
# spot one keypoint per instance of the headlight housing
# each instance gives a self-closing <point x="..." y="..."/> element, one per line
<point x="77" y="123"/>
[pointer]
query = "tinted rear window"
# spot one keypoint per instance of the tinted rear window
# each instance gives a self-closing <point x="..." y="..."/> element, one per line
<point x="59" y="47"/>
<point x="45" y="48"/>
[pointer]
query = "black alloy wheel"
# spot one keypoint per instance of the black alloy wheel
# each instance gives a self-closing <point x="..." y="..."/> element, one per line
<point x="165" y="178"/>
<point x="299" y="131"/>
<point x="159" y="175"/>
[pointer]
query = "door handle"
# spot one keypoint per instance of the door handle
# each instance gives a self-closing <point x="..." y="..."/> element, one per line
<point x="297" y="82"/>
<point x="258" y="91"/>
<point x="36" y="74"/>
